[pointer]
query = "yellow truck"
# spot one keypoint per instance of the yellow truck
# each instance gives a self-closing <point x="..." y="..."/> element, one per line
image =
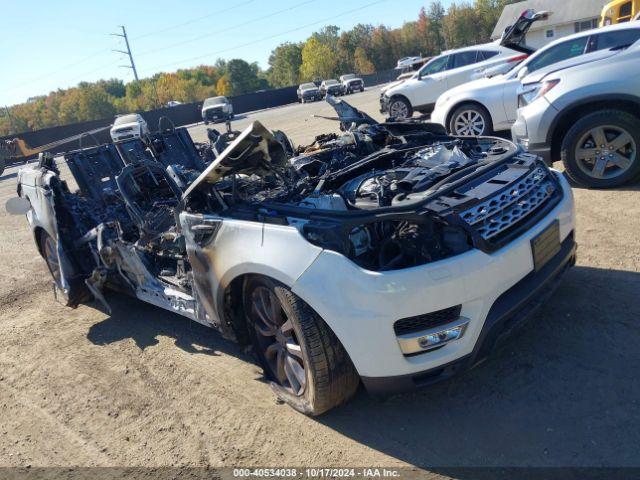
<point x="620" y="11"/>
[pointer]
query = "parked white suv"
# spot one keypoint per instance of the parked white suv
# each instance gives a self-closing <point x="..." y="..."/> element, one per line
<point x="489" y="105"/>
<point x="453" y="68"/>
<point x="126" y="127"/>
<point x="587" y="115"/>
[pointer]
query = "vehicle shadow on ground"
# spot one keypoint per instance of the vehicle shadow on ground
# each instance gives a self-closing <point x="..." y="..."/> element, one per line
<point x="143" y="323"/>
<point x="629" y="187"/>
<point x="565" y="392"/>
<point x="8" y="176"/>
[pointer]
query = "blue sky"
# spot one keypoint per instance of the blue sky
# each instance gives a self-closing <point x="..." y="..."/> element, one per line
<point x="47" y="45"/>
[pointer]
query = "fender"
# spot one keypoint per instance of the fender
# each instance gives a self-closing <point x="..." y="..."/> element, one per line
<point x="612" y="97"/>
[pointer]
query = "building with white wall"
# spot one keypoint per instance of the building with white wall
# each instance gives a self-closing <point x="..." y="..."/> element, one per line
<point x="567" y="17"/>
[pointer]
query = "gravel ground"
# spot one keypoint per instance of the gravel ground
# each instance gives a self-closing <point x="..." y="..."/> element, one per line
<point x="146" y="387"/>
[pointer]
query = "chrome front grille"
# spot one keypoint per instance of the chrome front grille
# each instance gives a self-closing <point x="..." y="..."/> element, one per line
<point x="499" y="213"/>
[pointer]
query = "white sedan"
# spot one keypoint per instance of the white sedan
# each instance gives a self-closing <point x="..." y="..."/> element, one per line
<point x="489" y="105"/>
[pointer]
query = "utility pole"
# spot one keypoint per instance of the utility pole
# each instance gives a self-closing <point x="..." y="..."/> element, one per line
<point x="128" y="52"/>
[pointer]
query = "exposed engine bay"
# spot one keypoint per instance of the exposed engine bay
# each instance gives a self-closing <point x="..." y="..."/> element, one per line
<point x="386" y="195"/>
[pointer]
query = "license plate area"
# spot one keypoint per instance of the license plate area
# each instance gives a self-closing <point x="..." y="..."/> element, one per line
<point x="546" y="245"/>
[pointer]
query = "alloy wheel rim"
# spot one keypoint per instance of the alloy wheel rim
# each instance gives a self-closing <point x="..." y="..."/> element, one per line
<point x="605" y="152"/>
<point x="51" y="257"/>
<point x="469" y="123"/>
<point x="277" y="338"/>
<point x="399" y="110"/>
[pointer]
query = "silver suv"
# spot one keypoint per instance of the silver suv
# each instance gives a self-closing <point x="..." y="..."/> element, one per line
<point x="587" y="115"/>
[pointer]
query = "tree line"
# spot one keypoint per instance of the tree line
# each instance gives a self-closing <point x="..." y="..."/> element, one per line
<point x="325" y="54"/>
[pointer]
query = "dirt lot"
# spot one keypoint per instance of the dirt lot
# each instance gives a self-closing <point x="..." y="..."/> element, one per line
<point x="145" y="387"/>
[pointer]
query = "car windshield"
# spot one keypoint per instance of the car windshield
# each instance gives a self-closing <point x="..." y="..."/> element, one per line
<point x="121" y="120"/>
<point x="214" y="101"/>
<point x="331" y="82"/>
<point x="348" y="77"/>
<point x="306" y="86"/>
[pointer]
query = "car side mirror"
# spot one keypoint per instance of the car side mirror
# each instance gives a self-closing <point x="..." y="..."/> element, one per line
<point x="524" y="71"/>
<point x="18" y="206"/>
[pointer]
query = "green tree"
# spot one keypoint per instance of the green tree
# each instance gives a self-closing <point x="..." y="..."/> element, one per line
<point x="223" y="87"/>
<point x="284" y="64"/>
<point x="242" y="76"/>
<point x="318" y="60"/>
<point x="362" y="63"/>
<point x="358" y="37"/>
<point x="384" y="48"/>
<point x="436" y="38"/>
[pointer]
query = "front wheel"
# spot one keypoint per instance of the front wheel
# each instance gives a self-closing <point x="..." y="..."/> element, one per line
<point x="306" y="363"/>
<point x="400" y="108"/>
<point x="601" y="149"/>
<point x="470" y="120"/>
<point x="49" y="249"/>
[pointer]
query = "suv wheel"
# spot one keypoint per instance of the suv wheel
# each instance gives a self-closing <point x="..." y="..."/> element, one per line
<point x="306" y="363"/>
<point x="49" y="250"/>
<point x="601" y="149"/>
<point x="400" y="108"/>
<point x="470" y="120"/>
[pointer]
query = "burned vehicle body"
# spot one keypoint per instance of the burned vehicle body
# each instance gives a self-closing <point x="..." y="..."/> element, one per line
<point x="389" y="253"/>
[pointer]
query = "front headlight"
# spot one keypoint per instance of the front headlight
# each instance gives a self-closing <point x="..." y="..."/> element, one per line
<point x="534" y="91"/>
<point x="389" y="244"/>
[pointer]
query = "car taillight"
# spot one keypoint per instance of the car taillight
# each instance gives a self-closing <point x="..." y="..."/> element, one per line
<point x="517" y="58"/>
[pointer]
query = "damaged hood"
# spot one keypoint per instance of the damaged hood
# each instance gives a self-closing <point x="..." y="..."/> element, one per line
<point x="256" y="150"/>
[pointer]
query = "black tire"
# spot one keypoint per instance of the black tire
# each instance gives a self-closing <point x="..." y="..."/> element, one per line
<point x="49" y="249"/>
<point x="399" y="107"/>
<point x="330" y="377"/>
<point x="609" y="126"/>
<point x="473" y="111"/>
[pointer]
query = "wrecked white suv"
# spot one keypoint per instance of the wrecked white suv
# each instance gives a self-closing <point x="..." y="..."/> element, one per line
<point x="388" y="253"/>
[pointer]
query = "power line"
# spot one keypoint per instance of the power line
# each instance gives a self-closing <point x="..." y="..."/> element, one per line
<point x="107" y="50"/>
<point x="268" y="37"/>
<point x="104" y="67"/>
<point x="128" y="52"/>
<point x="217" y="32"/>
<point x="193" y="20"/>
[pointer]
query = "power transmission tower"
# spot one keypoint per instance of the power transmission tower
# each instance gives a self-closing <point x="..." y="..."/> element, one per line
<point x="128" y="52"/>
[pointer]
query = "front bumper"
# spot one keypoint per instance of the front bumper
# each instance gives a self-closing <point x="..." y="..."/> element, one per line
<point x="364" y="305"/>
<point x="439" y="115"/>
<point x="122" y="136"/>
<point x="531" y="128"/>
<point x="214" y="115"/>
<point x="384" y="104"/>
<point x="312" y="98"/>
<point x="509" y="313"/>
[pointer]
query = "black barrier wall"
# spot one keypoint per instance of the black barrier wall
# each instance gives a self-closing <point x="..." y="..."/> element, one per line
<point x="180" y="115"/>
